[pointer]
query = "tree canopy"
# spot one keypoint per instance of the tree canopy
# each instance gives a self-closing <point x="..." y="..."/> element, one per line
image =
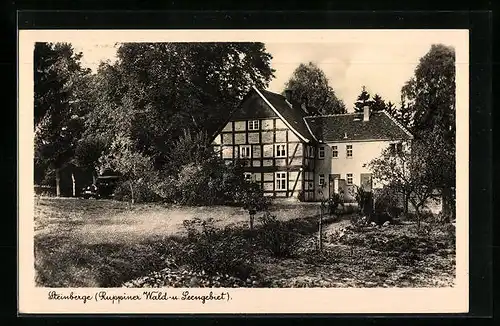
<point x="59" y="105"/>
<point x="309" y="82"/>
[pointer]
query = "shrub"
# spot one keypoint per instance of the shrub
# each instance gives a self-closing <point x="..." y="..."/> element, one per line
<point x="386" y="205"/>
<point x="333" y="203"/>
<point x="278" y="237"/>
<point x="143" y="192"/>
<point x="216" y="251"/>
<point x="358" y="222"/>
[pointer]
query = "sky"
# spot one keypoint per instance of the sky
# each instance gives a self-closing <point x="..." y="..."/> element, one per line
<point x="382" y="67"/>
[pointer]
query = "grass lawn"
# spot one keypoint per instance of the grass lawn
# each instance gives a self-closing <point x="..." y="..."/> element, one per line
<point x="101" y="243"/>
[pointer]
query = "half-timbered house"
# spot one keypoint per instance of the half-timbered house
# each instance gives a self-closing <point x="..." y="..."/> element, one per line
<point x="293" y="153"/>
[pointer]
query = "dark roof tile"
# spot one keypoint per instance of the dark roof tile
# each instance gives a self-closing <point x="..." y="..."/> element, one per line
<point x="346" y="127"/>
<point x="293" y="114"/>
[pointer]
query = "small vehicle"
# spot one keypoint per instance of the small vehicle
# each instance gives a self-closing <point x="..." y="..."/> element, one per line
<point x="103" y="187"/>
<point x="90" y="192"/>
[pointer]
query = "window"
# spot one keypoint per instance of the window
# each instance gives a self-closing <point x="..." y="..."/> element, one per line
<point x="349" y="178"/>
<point x="253" y="125"/>
<point x="321" y="179"/>
<point x="396" y="148"/>
<point x="280" y="150"/>
<point x="348" y="150"/>
<point x="335" y="151"/>
<point x="245" y="151"/>
<point x="248" y="176"/>
<point x="321" y="152"/>
<point x="280" y="180"/>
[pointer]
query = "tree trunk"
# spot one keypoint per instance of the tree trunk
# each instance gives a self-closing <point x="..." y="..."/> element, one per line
<point x="58" y="182"/>
<point x="252" y="217"/>
<point x="405" y="204"/>
<point x="132" y="199"/>
<point x="447" y="202"/>
<point x="94" y="177"/>
<point x="320" y="230"/>
<point x="74" y="183"/>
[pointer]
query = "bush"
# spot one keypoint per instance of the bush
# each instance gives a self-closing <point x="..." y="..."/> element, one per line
<point x="216" y="251"/>
<point x="358" y="222"/>
<point x="386" y="206"/>
<point x="333" y="203"/>
<point x="278" y="237"/>
<point x="143" y="192"/>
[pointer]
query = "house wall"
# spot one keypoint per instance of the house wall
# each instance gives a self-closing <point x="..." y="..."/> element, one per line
<point x="362" y="153"/>
<point x="263" y="163"/>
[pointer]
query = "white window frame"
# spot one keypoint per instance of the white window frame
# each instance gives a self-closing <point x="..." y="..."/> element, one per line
<point x="280" y="181"/>
<point x="349" y="176"/>
<point x="321" y="152"/>
<point x="347" y="149"/>
<point x="253" y="125"/>
<point x="335" y="151"/>
<point x="246" y="148"/>
<point x="247" y="176"/>
<point x="280" y="152"/>
<point x="321" y="180"/>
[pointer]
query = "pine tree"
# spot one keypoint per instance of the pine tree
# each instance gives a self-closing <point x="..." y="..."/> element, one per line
<point x="378" y="104"/>
<point x="362" y="100"/>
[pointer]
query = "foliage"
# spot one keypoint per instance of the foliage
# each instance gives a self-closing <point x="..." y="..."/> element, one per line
<point x="156" y="91"/>
<point x="361" y="197"/>
<point x="407" y="173"/>
<point x="309" y="82"/>
<point x="386" y="205"/>
<point x="362" y="100"/>
<point x="277" y="236"/>
<point x="333" y="203"/>
<point x="59" y="82"/>
<point x="430" y="99"/>
<point x="216" y="251"/>
<point x="378" y="104"/>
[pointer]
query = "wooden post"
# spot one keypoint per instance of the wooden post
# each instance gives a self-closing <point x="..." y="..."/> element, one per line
<point x="74" y="184"/>
<point x="320" y="229"/>
<point x="131" y="192"/>
<point x="58" y="183"/>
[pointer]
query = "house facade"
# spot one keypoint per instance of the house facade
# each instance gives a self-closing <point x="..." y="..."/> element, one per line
<point x="293" y="154"/>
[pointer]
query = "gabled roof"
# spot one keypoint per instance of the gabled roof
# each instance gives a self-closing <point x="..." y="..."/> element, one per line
<point x="351" y="127"/>
<point x="291" y="113"/>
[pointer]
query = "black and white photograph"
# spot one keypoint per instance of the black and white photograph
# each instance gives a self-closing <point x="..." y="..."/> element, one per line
<point x="178" y="164"/>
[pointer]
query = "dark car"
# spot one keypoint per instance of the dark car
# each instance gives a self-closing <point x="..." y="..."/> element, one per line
<point x="103" y="188"/>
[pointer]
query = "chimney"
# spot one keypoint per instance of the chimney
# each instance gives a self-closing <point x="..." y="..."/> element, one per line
<point x="366" y="113"/>
<point x="288" y="95"/>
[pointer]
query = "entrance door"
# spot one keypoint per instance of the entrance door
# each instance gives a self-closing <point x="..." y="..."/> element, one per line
<point x="332" y="187"/>
<point x="366" y="181"/>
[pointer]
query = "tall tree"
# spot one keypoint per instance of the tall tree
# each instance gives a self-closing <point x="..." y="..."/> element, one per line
<point x="391" y="109"/>
<point x="309" y="82"/>
<point x="378" y="104"/>
<point x="155" y="91"/>
<point x="430" y="95"/>
<point x="58" y="84"/>
<point x="364" y="99"/>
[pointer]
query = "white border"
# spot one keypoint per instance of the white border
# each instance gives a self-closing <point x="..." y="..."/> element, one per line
<point x="316" y="300"/>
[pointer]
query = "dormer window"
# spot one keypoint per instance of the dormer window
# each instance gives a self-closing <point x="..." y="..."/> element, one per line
<point x="253" y="125"/>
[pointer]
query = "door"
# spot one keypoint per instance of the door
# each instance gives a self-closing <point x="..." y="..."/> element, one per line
<point x="333" y="186"/>
<point x="366" y="182"/>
